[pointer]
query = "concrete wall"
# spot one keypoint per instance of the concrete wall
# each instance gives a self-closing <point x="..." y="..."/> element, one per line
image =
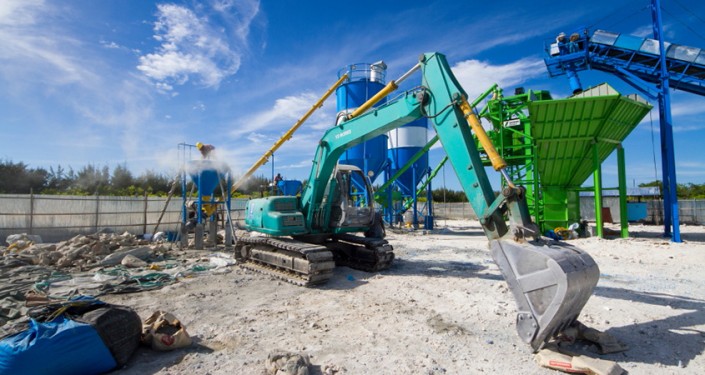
<point x="60" y="217"/>
<point x="453" y="211"/>
<point x="690" y="211"/>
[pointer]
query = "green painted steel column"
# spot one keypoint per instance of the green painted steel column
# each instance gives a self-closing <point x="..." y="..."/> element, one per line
<point x="623" y="223"/>
<point x="597" y="184"/>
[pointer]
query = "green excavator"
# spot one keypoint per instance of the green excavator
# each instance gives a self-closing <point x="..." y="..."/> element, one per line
<point x="302" y="239"/>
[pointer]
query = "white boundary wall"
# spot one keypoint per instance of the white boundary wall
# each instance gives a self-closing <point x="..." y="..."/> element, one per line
<point x="691" y="211"/>
<point x="60" y="217"/>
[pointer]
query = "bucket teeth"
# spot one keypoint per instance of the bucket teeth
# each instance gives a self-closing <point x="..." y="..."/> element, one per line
<point x="551" y="283"/>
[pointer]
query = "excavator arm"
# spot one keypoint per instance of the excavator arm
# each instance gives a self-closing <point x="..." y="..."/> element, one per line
<point x="442" y="99"/>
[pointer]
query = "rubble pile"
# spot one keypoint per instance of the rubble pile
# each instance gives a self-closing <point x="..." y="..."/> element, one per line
<point x="81" y="251"/>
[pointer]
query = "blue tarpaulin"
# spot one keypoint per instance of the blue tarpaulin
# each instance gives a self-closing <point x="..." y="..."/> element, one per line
<point x="61" y="346"/>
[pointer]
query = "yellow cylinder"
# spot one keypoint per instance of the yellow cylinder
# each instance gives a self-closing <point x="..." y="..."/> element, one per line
<point x="391" y="86"/>
<point x="496" y="159"/>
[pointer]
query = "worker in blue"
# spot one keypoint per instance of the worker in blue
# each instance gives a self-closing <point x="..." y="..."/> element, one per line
<point x="573" y="43"/>
<point x="562" y="44"/>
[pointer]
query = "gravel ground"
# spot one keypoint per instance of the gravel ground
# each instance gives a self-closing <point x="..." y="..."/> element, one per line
<point x="442" y="308"/>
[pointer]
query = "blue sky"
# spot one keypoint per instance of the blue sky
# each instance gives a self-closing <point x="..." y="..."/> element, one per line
<point x="109" y="82"/>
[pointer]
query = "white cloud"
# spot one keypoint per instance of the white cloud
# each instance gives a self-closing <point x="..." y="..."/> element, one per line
<point x="686" y="108"/>
<point x="191" y="47"/>
<point x="257" y="138"/>
<point x="19" y="12"/>
<point x="41" y="54"/>
<point x="303" y="164"/>
<point x="282" y="115"/>
<point x="110" y="45"/>
<point x="239" y="13"/>
<point x="477" y="76"/>
<point x="644" y="31"/>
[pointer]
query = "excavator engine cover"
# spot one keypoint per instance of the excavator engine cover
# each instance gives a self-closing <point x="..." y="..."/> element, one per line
<point x="551" y="282"/>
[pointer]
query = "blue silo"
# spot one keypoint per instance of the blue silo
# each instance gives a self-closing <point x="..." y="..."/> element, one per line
<point x="364" y="81"/>
<point x="404" y="143"/>
<point x="201" y="207"/>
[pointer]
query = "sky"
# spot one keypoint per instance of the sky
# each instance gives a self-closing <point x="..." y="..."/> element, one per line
<point x="124" y="82"/>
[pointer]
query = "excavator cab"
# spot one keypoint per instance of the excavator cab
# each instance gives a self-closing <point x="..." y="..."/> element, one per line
<point x="350" y="199"/>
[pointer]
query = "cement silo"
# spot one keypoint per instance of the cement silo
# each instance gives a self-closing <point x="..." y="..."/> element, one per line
<point x="365" y="80"/>
<point x="403" y="143"/>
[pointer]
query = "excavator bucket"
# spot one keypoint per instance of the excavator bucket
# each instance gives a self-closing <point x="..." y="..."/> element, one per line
<point x="551" y="282"/>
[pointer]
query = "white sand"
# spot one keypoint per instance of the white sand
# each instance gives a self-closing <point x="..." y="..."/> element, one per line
<point x="442" y="308"/>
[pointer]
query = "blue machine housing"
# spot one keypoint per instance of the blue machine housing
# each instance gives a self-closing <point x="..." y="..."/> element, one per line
<point x="289" y="187"/>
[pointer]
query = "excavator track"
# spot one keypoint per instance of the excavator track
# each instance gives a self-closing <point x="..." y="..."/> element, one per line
<point x="361" y="253"/>
<point x="296" y="262"/>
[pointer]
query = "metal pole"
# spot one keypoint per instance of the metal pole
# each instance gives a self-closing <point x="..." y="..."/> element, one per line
<point x="597" y="182"/>
<point x="273" y="183"/>
<point x="415" y="220"/>
<point x="390" y="208"/>
<point x="97" y="211"/>
<point x="144" y="216"/>
<point x="428" y="222"/>
<point x="670" y="198"/>
<point x="31" y="210"/>
<point x="624" y="225"/>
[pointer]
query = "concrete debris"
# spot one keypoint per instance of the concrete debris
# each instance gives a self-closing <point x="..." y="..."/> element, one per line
<point x="332" y="369"/>
<point x="14" y="238"/>
<point x="81" y="251"/>
<point x="606" y="343"/>
<point x="549" y="357"/>
<point x="284" y="363"/>
<point x="131" y="261"/>
<point x="19" y="242"/>
<point x="142" y="252"/>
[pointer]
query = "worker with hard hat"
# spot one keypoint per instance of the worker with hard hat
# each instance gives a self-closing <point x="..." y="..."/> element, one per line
<point x="573" y="43"/>
<point x="562" y="43"/>
<point x="205" y="149"/>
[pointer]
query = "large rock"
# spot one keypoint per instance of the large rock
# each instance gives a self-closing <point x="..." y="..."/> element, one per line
<point x="285" y="363"/>
<point x="115" y="258"/>
<point x="131" y="261"/>
<point x="23" y="237"/>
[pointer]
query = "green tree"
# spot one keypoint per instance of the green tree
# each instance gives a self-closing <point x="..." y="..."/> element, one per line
<point x="18" y="178"/>
<point x="59" y="180"/>
<point x="447" y="195"/>
<point x="92" y="180"/>
<point x="153" y="183"/>
<point x="121" y="180"/>
<point x="255" y="185"/>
